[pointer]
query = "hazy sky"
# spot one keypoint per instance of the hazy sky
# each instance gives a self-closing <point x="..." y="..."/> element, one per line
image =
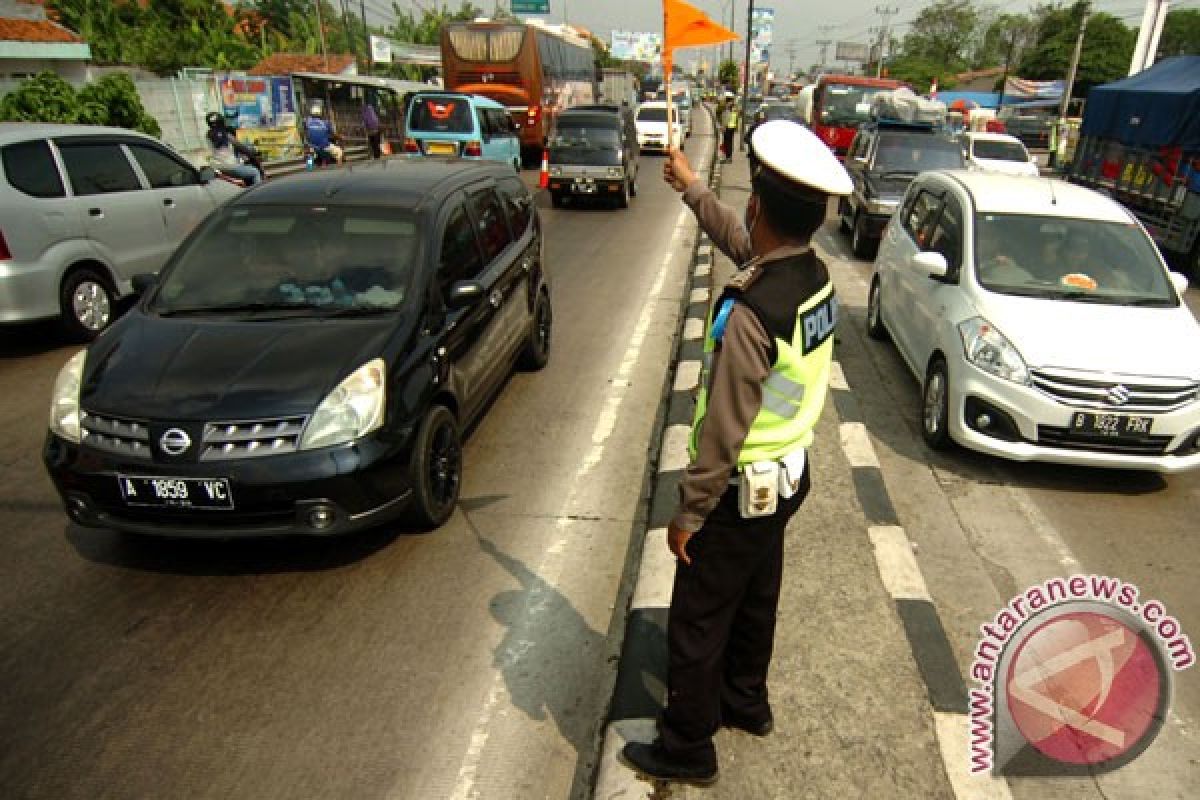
<point x="800" y="23"/>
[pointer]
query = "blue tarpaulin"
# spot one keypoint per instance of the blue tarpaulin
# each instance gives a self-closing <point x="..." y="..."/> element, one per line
<point x="1157" y="107"/>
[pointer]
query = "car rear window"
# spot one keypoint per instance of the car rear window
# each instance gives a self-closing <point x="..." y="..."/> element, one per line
<point x="441" y="115"/>
<point x="586" y="131"/>
<point x="314" y="258"/>
<point x="1000" y="151"/>
<point x="30" y="168"/>
<point x="917" y="152"/>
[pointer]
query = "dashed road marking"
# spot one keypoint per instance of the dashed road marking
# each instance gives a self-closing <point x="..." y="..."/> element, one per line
<point x="693" y="329"/>
<point x="897" y="564"/>
<point x="837" y="378"/>
<point x="656" y="575"/>
<point x="699" y="296"/>
<point x="687" y="376"/>
<point x="952" y="737"/>
<point x="674" y="455"/>
<point x="857" y="445"/>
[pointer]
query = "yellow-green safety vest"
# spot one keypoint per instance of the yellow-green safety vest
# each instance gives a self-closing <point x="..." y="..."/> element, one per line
<point x="794" y="391"/>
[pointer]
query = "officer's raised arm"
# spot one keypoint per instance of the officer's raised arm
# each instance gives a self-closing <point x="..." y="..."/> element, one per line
<point x="722" y="224"/>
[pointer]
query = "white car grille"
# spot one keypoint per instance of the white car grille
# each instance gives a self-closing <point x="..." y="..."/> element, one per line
<point x="1111" y="393"/>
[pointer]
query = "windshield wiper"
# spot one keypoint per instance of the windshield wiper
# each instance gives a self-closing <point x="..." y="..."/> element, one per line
<point x="1146" y="301"/>
<point x="356" y="311"/>
<point x="232" y="308"/>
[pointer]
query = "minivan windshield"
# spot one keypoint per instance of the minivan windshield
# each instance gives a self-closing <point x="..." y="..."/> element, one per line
<point x="585" y="133"/>
<point x="298" y="259"/>
<point x="653" y="114"/>
<point x="1082" y="260"/>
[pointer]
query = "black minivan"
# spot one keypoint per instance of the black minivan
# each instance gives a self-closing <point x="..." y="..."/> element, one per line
<point x="308" y="358"/>
<point x="593" y="153"/>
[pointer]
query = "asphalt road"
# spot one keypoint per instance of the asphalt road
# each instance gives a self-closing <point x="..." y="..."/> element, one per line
<point x="986" y="529"/>
<point x="474" y="661"/>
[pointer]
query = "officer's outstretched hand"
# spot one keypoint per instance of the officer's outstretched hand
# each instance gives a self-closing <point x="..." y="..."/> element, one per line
<point x="677" y="540"/>
<point x="677" y="171"/>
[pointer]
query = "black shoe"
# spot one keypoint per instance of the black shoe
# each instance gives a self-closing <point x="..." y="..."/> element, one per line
<point x="756" y="727"/>
<point x="654" y="762"/>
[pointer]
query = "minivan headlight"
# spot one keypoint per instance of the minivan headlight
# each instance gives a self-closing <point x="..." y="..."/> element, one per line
<point x="64" y="400"/>
<point x="988" y="349"/>
<point x="350" y="411"/>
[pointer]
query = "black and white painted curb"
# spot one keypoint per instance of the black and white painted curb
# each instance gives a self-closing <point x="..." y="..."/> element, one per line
<point x="641" y="677"/>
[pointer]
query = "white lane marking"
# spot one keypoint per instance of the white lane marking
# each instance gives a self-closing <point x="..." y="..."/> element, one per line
<point x="703" y="270"/>
<point x="951" y="731"/>
<point x="897" y="565"/>
<point x="550" y="568"/>
<point x="687" y="376"/>
<point x="698" y="296"/>
<point x="656" y="575"/>
<point x="615" y="781"/>
<point x="674" y="454"/>
<point x="857" y="445"/>
<point x="693" y="329"/>
<point x="1045" y="530"/>
<point x="704" y="250"/>
<point x="837" y="378"/>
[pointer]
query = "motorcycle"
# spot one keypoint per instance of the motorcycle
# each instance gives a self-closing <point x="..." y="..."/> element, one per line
<point x="251" y="157"/>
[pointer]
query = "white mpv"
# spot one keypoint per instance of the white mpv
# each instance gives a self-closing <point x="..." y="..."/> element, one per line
<point x="1042" y="322"/>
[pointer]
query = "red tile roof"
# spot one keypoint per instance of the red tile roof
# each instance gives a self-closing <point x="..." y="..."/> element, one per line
<point x="34" y="30"/>
<point x="287" y="63"/>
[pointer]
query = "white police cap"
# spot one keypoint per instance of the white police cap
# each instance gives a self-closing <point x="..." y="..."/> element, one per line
<point x="797" y="157"/>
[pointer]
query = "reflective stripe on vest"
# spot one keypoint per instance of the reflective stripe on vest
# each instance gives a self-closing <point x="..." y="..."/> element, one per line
<point x="793" y="393"/>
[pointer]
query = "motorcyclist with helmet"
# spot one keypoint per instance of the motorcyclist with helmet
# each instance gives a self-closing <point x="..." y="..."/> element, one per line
<point x="320" y="136"/>
<point x="227" y="151"/>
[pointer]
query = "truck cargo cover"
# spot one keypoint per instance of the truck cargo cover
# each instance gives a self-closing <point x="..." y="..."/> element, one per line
<point x="1156" y="107"/>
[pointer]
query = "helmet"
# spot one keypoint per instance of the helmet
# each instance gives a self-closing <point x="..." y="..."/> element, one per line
<point x="214" y="118"/>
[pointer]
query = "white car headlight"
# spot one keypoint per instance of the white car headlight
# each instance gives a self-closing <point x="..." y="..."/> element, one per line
<point x="556" y="171"/>
<point x="350" y="411"/>
<point x="988" y="349"/>
<point x="64" y="401"/>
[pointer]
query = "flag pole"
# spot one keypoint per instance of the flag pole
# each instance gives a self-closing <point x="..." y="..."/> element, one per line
<point x="668" y="58"/>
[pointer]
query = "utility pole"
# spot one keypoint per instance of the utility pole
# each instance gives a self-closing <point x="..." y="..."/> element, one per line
<point x="746" y="72"/>
<point x="823" y="43"/>
<point x="1066" y="97"/>
<point x="1012" y="42"/>
<point x="1153" y="19"/>
<point x="321" y="34"/>
<point x="884" y="33"/>
<point x="362" y="5"/>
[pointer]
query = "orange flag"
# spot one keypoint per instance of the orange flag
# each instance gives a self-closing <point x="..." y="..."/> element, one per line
<point x="684" y="25"/>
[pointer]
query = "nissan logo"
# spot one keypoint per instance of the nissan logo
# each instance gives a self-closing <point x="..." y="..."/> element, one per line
<point x="1118" y="395"/>
<point x="175" y="442"/>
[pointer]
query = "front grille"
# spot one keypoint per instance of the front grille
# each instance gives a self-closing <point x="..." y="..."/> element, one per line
<point x="1054" y="436"/>
<point x="124" y="437"/>
<point x="1089" y="390"/>
<point x="250" y="438"/>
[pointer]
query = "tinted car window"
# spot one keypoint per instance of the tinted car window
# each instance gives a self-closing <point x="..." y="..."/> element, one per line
<point x="920" y="215"/>
<point x="442" y="115"/>
<point x="460" y="258"/>
<point x="586" y="131"/>
<point x="1001" y="151"/>
<point x="946" y="236"/>
<point x="517" y="203"/>
<point x="493" y="227"/>
<point x="325" y="258"/>
<point x="98" y="168"/>
<point x="31" y="169"/>
<point x="917" y="152"/>
<point x="162" y="170"/>
<point x="655" y="115"/>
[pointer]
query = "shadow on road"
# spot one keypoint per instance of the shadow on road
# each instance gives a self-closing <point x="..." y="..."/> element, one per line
<point x="33" y="338"/>
<point x="204" y="557"/>
<point x="545" y="641"/>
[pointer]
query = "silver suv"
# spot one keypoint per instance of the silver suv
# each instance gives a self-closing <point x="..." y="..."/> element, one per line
<point x="82" y="210"/>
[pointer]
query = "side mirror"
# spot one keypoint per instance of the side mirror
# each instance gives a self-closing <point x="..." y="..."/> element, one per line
<point x="464" y="294"/>
<point x="207" y="174"/>
<point x="143" y="282"/>
<point x="932" y="263"/>
<point x="1179" y="281"/>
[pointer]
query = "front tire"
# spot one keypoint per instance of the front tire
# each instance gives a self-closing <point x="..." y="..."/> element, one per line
<point x="935" y="406"/>
<point x="87" y="303"/>
<point x="875" y="327"/>
<point x="436" y="469"/>
<point x="536" y="353"/>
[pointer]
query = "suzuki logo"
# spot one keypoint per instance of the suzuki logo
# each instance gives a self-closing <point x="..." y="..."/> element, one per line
<point x="1118" y="395"/>
<point x="175" y="442"/>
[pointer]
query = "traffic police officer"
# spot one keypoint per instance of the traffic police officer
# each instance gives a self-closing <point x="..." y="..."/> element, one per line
<point x="768" y="351"/>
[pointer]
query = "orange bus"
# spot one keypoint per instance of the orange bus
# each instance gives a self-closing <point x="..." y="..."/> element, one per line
<point x="534" y="70"/>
